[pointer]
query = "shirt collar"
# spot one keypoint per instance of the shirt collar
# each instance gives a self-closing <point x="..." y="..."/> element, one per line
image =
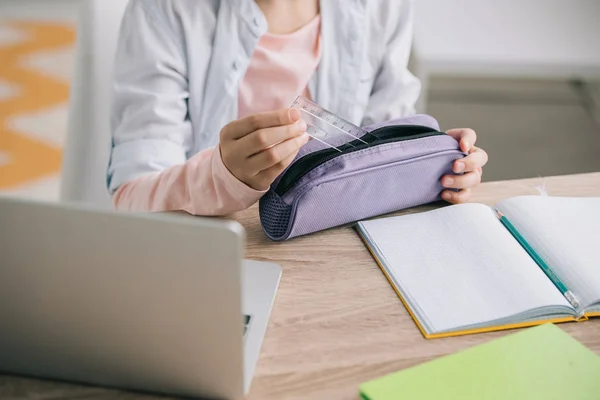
<point x="250" y="12"/>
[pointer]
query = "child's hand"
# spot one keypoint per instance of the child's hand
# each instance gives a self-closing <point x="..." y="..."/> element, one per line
<point x="471" y="166"/>
<point x="256" y="149"/>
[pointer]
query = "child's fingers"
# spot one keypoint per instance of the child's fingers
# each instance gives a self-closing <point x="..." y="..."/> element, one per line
<point x="262" y="139"/>
<point x="465" y="136"/>
<point x="468" y="180"/>
<point x="242" y="127"/>
<point x="276" y="154"/>
<point x="456" y="197"/>
<point x="476" y="159"/>
<point x="267" y="176"/>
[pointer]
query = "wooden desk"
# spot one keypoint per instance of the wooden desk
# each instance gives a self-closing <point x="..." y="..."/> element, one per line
<point x="337" y="322"/>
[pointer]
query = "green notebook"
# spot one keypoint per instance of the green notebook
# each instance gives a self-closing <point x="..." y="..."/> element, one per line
<point x="539" y="363"/>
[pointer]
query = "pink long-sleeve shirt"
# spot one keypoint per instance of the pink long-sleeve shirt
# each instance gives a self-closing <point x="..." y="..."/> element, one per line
<point x="280" y="69"/>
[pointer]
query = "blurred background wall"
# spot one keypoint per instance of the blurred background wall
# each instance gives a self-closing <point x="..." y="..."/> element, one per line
<point x="523" y="73"/>
<point x="37" y="42"/>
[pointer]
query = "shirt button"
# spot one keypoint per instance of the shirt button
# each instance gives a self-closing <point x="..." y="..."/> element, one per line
<point x="237" y="64"/>
<point x="256" y="22"/>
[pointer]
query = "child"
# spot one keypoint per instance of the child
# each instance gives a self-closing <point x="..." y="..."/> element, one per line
<point x="200" y="119"/>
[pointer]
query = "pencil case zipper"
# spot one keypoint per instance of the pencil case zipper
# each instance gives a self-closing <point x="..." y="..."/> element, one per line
<point x="381" y="136"/>
<point x="310" y="185"/>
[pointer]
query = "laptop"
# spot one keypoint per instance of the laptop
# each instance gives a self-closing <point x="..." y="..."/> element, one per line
<point x="160" y="303"/>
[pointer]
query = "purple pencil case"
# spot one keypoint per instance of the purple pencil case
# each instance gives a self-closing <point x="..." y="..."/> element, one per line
<point x="400" y="167"/>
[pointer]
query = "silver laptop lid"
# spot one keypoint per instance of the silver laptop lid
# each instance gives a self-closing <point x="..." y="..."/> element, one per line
<point x="149" y="302"/>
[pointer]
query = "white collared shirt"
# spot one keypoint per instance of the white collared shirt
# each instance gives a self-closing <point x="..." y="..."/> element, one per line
<point x="179" y="64"/>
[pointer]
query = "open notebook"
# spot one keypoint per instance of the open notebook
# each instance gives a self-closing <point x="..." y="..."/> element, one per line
<point x="458" y="270"/>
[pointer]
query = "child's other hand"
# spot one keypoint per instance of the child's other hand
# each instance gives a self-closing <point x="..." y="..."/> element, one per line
<point x="256" y="149"/>
<point x="471" y="166"/>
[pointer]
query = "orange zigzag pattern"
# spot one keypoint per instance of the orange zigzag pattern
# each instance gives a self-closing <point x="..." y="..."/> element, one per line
<point x="30" y="159"/>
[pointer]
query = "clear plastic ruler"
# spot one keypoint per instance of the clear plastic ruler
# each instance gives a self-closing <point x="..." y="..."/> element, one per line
<point x="325" y="126"/>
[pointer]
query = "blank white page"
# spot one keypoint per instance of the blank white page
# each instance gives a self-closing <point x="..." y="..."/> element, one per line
<point x="565" y="232"/>
<point x="460" y="266"/>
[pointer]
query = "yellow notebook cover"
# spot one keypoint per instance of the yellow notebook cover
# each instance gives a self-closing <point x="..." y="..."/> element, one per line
<point x="469" y="331"/>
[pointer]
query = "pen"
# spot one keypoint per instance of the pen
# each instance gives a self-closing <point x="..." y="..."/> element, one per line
<point x="536" y="257"/>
